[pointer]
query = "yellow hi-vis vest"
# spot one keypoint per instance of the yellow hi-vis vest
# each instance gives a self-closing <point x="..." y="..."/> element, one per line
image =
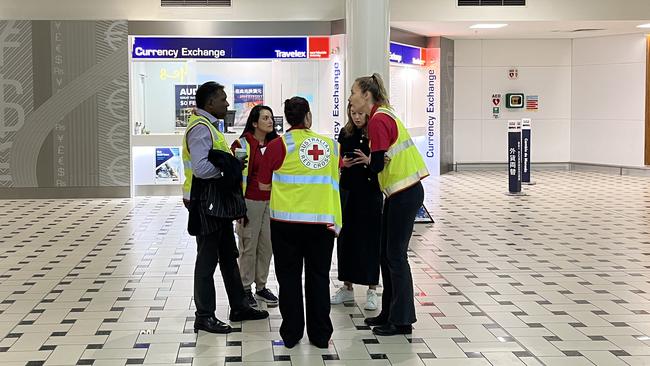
<point x="406" y="166"/>
<point x="306" y="187"/>
<point x="218" y="143"/>
<point x="245" y="145"/>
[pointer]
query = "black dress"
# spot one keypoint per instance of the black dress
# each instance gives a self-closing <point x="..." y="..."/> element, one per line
<point x="361" y="205"/>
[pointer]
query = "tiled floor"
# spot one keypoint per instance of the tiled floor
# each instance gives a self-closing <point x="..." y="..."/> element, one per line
<point x="559" y="277"/>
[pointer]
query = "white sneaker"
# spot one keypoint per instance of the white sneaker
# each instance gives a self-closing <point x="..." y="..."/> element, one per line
<point x="371" y="300"/>
<point x="342" y="295"/>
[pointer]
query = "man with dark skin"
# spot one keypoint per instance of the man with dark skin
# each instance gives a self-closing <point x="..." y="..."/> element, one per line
<point x="214" y="235"/>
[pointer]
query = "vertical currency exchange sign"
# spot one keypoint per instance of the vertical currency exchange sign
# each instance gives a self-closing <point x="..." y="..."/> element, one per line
<point x="229" y="48"/>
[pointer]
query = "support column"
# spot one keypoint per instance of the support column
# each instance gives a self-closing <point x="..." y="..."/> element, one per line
<point x="367" y="25"/>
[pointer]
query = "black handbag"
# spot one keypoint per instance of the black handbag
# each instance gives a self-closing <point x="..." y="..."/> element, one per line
<point x="222" y="202"/>
<point x="223" y="197"/>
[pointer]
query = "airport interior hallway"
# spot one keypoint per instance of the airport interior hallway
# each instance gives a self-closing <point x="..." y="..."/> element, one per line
<point x="558" y="277"/>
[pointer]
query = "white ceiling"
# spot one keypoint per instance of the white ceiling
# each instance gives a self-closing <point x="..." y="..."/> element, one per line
<point x="522" y="29"/>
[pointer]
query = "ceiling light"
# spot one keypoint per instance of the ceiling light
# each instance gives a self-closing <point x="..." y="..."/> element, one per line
<point x="488" y="26"/>
<point x="643" y="25"/>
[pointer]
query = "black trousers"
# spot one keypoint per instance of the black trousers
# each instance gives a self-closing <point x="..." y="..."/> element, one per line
<point x="398" y="218"/>
<point x="294" y="244"/>
<point x="217" y="247"/>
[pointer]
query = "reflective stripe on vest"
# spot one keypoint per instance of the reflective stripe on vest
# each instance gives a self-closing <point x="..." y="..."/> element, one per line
<point x="304" y="217"/>
<point x="397" y="148"/>
<point x="245" y="145"/>
<point x="290" y="144"/>
<point x="306" y="179"/>
<point x="303" y="194"/>
<point x="218" y="143"/>
<point x="406" y="166"/>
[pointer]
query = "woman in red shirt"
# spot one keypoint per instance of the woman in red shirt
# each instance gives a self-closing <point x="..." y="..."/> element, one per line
<point x="254" y="230"/>
<point x="400" y="208"/>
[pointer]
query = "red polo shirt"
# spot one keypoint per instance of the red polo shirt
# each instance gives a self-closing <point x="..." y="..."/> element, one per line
<point x="253" y="191"/>
<point x="382" y="130"/>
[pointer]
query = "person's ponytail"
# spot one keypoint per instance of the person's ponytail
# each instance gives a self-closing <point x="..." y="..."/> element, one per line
<point x="375" y="85"/>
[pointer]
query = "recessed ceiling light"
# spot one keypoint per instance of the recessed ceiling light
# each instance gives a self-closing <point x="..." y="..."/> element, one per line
<point x="488" y="26"/>
<point x="643" y="25"/>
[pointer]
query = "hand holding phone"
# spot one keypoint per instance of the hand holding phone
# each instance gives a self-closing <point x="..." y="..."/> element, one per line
<point x="355" y="157"/>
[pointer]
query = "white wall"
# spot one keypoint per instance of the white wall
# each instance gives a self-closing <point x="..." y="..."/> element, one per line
<point x="608" y="78"/>
<point x="592" y="98"/>
<point x="481" y="69"/>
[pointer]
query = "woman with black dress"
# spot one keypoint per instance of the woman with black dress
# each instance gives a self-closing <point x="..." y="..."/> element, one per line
<point x="361" y="204"/>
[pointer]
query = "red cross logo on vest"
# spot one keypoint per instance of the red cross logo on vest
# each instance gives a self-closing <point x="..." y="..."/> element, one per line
<point x="314" y="153"/>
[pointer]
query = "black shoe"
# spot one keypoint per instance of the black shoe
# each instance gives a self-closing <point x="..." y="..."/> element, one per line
<point x="376" y="321"/>
<point x="251" y="299"/>
<point x="389" y="329"/>
<point x="267" y="296"/>
<point x="211" y="325"/>
<point x="321" y="345"/>
<point x="290" y="344"/>
<point x="248" y="314"/>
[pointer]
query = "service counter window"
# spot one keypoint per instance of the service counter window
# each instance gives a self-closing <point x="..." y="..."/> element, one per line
<point x="164" y="91"/>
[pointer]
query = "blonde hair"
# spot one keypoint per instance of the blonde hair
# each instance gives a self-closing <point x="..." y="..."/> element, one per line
<point x="348" y="129"/>
<point x="375" y="85"/>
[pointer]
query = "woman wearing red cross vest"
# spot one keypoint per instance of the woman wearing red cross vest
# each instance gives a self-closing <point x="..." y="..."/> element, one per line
<point x="400" y="168"/>
<point x="302" y="171"/>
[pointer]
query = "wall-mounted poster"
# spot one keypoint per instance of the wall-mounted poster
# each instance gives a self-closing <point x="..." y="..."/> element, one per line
<point x="246" y="96"/>
<point x="169" y="165"/>
<point x="185" y="102"/>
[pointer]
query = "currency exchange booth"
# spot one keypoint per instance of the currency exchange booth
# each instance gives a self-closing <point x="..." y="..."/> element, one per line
<point x="165" y="72"/>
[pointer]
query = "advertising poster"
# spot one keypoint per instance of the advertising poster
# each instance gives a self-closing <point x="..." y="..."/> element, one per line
<point x="169" y="165"/>
<point x="246" y="96"/>
<point x="185" y="102"/>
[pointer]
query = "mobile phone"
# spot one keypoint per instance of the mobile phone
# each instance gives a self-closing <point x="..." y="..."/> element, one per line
<point x="350" y="155"/>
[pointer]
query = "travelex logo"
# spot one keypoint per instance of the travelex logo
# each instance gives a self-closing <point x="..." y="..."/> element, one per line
<point x="290" y="54"/>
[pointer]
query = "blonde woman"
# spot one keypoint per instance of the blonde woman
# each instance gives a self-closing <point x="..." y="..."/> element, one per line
<point x="400" y="168"/>
<point x="361" y="203"/>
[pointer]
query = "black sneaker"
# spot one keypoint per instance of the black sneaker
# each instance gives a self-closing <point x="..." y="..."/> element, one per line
<point x="250" y="299"/>
<point x="267" y="296"/>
